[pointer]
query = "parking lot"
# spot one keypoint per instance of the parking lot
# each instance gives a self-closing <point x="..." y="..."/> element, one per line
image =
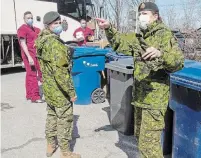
<point x="23" y="124"/>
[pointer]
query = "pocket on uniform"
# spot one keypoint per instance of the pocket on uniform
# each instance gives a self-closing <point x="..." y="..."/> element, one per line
<point x="153" y="119"/>
<point x="157" y="115"/>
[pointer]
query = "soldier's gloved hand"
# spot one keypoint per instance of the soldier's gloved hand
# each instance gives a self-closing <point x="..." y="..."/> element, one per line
<point x="73" y="99"/>
<point x="151" y="53"/>
<point x="102" y="23"/>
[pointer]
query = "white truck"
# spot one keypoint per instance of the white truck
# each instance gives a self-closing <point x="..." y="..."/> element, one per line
<point x="12" y="18"/>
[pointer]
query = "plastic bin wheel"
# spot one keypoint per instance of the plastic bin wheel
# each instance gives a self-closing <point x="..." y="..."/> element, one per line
<point x="98" y="96"/>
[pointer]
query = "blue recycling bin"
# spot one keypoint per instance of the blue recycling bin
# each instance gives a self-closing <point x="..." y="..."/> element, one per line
<point x="185" y="101"/>
<point x="88" y="62"/>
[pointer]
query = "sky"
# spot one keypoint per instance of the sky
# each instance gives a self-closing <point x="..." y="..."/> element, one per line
<point x="179" y="10"/>
<point x="167" y="2"/>
<point x="178" y="4"/>
<point x="164" y="4"/>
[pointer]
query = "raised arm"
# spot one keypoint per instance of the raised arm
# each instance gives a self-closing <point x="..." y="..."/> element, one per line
<point x="121" y="43"/>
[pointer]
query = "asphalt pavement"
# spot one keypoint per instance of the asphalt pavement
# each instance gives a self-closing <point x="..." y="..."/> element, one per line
<point x="23" y="125"/>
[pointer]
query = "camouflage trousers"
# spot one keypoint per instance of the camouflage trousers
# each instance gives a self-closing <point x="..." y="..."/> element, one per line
<point x="149" y="124"/>
<point x="59" y="125"/>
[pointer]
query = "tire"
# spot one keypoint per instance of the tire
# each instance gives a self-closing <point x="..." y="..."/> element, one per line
<point x="98" y="96"/>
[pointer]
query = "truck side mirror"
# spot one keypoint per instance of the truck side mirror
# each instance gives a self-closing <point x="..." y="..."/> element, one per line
<point x="64" y="25"/>
<point x="101" y="12"/>
<point x="38" y="18"/>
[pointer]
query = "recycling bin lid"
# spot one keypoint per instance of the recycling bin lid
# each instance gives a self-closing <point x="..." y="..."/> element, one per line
<point x="188" y="62"/>
<point x="116" y="56"/>
<point x="189" y="76"/>
<point x="88" y="51"/>
<point x="122" y="65"/>
<point x="80" y="48"/>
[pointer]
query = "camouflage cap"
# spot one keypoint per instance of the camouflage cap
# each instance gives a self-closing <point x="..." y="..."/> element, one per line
<point x="148" y="6"/>
<point x="51" y="17"/>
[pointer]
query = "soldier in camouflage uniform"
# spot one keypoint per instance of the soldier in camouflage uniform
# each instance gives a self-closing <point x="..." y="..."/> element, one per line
<point x="55" y="62"/>
<point x="156" y="53"/>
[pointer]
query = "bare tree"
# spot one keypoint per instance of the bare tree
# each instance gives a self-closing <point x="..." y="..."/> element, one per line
<point x="171" y="17"/>
<point x="190" y="16"/>
<point x="98" y="4"/>
<point x="135" y="3"/>
<point x="116" y="11"/>
<point x="192" y="48"/>
<point x="184" y="17"/>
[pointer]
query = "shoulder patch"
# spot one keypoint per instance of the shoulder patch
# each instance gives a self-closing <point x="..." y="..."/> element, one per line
<point x="142" y="6"/>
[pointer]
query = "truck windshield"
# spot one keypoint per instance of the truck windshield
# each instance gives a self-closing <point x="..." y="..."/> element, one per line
<point x="77" y="9"/>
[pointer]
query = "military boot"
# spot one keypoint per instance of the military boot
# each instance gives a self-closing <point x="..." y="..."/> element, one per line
<point x="69" y="154"/>
<point x="51" y="148"/>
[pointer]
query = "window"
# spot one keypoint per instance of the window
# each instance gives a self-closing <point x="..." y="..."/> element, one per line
<point x="77" y="9"/>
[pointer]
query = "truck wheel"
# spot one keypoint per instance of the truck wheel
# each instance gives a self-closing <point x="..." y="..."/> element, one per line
<point x="98" y="96"/>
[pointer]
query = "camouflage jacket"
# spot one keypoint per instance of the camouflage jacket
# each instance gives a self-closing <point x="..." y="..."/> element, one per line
<point x="151" y="79"/>
<point x="55" y="63"/>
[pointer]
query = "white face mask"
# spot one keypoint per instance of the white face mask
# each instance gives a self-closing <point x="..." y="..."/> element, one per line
<point x="83" y="25"/>
<point x="144" y="21"/>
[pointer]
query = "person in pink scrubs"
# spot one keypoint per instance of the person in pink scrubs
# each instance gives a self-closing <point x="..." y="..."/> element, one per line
<point x="27" y="34"/>
<point x="82" y="33"/>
